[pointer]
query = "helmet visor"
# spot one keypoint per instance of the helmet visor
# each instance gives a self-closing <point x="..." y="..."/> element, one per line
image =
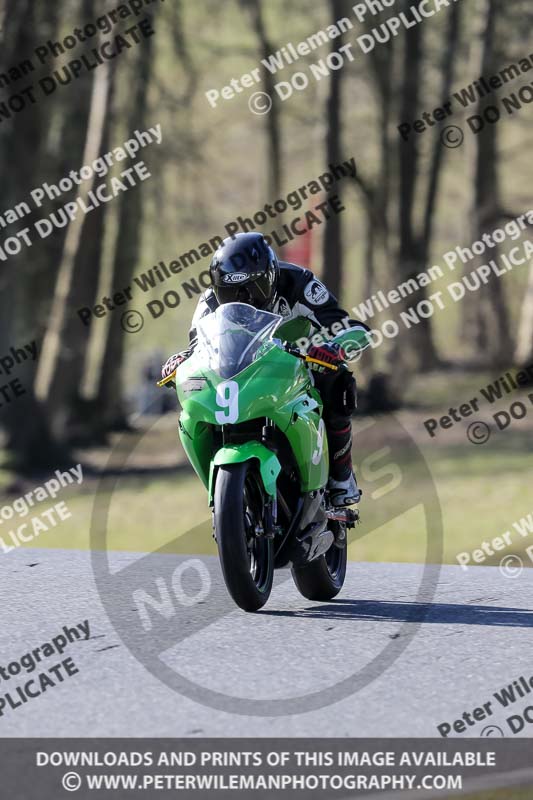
<point x="257" y="293"/>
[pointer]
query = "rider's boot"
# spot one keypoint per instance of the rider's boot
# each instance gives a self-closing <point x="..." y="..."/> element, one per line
<point x="344" y="493"/>
<point x="342" y="486"/>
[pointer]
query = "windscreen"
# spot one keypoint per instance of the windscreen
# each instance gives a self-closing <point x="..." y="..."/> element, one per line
<point x="231" y="337"/>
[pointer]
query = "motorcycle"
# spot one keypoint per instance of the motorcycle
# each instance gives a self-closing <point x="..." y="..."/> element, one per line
<point x="251" y="425"/>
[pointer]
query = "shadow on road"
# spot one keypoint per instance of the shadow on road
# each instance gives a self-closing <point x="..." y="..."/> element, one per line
<point x="443" y="613"/>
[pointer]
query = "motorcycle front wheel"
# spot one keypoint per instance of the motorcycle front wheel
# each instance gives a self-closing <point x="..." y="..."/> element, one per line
<point x="323" y="578"/>
<point x="246" y="555"/>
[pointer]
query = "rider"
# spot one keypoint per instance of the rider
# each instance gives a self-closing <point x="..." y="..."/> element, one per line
<point x="245" y="269"/>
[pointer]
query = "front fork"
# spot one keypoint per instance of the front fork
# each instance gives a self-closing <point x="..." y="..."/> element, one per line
<point x="270" y="529"/>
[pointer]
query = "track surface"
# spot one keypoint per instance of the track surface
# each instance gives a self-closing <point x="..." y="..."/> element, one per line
<point x="470" y="644"/>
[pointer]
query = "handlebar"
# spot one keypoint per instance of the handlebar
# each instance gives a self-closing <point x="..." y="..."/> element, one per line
<point x="295" y="351"/>
<point x="166" y="380"/>
<point x="289" y="348"/>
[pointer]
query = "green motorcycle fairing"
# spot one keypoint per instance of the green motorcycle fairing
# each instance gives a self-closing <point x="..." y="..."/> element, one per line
<point x="277" y="386"/>
<point x="269" y="466"/>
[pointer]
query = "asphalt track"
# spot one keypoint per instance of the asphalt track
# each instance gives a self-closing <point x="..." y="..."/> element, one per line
<point x="452" y="653"/>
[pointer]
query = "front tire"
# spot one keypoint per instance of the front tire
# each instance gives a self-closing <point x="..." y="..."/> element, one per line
<point x="323" y="578"/>
<point x="247" y="560"/>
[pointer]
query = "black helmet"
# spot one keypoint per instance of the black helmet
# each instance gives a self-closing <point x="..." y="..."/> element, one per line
<point x="245" y="269"/>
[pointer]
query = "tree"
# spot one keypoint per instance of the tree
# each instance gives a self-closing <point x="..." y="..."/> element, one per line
<point x="414" y="251"/>
<point x="524" y="347"/>
<point x="376" y="192"/>
<point x="489" y="329"/>
<point x="65" y="342"/>
<point x="274" y="161"/>
<point x="24" y="143"/>
<point x="399" y="177"/>
<point x="109" y="403"/>
<point x="332" y="246"/>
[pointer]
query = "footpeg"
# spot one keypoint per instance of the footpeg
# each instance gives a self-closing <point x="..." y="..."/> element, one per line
<point x="347" y="515"/>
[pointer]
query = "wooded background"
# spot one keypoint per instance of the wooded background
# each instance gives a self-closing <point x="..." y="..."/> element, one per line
<point x="409" y="203"/>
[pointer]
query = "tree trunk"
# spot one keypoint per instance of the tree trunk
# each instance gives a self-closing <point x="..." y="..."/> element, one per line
<point x="493" y="335"/>
<point x="23" y="143"/>
<point x="65" y="341"/>
<point x="524" y="347"/>
<point x="417" y="350"/>
<point x="439" y="151"/>
<point x="332" y="245"/>
<point x="376" y="196"/>
<point x="272" y="120"/>
<point x="111" y="411"/>
<point x="87" y="269"/>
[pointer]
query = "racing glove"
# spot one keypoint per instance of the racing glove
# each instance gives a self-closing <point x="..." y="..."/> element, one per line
<point x="330" y="353"/>
<point x="173" y="362"/>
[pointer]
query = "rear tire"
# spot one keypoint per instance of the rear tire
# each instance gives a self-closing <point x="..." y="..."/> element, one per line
<point x="323" y="578"/>
<point x="247" y="560"/>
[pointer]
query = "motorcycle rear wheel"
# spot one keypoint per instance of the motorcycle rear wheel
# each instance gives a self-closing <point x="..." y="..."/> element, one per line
<point x="323" y="578"/>
<point x="246" y="558"/>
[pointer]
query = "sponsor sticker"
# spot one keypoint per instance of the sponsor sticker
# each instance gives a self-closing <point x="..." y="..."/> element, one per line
<point x="194" y="385"/>
<point x="236" y="277"/>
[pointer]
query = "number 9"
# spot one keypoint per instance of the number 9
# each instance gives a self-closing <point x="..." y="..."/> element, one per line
<point x="227" y="399"/>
